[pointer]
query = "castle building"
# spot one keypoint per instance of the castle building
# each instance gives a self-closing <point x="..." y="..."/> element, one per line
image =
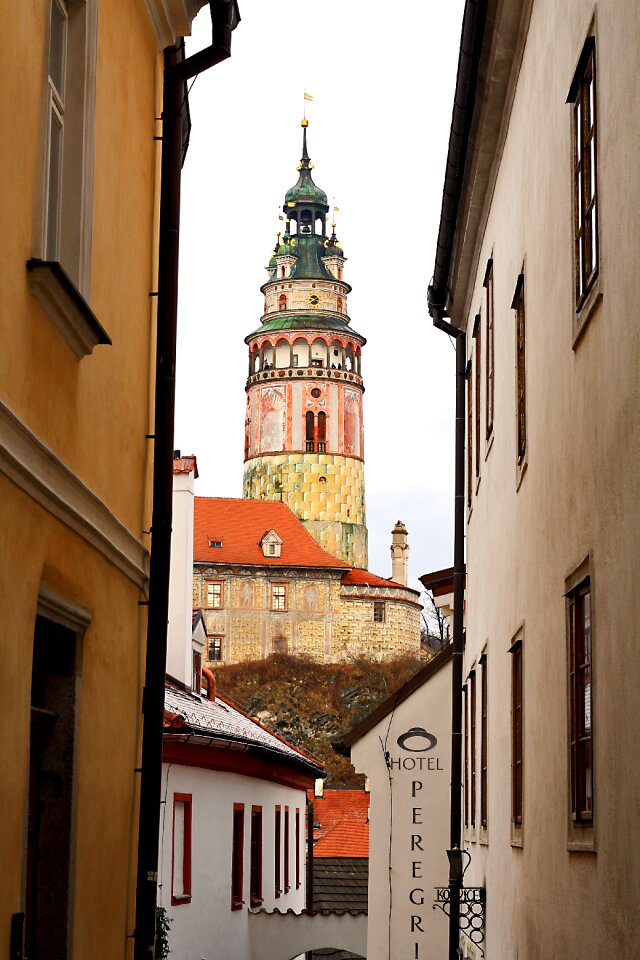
<point x="304" y="439"/>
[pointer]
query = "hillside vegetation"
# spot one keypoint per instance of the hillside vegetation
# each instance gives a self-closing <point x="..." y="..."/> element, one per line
<point x="313" y="704"/>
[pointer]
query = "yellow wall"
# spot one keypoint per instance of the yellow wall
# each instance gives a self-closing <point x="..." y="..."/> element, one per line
<point x="93" y="413"/>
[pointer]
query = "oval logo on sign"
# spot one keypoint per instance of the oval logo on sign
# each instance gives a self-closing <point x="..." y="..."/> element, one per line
<point x="417" y="740"/>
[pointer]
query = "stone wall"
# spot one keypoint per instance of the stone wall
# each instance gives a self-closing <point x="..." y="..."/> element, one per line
<point x="322" y="620"/>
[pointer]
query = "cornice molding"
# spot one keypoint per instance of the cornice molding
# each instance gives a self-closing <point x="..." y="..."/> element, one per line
<point x="29" y="463"/>
<point x="171" y="19"/>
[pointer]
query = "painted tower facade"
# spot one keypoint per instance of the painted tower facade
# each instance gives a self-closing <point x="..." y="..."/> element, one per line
<point x="304" y="438"/>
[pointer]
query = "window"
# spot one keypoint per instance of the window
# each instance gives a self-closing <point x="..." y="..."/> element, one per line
<point x="294" y="360"/>
<point x="287" y="885"/>
<point x="278" y="596"/>
<point x="298" y="880"/>
<point x="215" y="594"/>
<point x="322" y="432"/>
<point x="378" y="611"/>
<point x="517" y="804"/>
<point x="472" y="746"/>
<point x="282" y="301"/>
<point x="309" y="421"/>
<point x="279" y="645"/>
<point x="484" y="796"/>
<point x="466" y="754"/>
<point x="489" y="350"/>
<point x="196" y="680"/>
<point x="277" y="853"/>
<point x="216" y="544"/>
<point x="582" y="96"/>
<point x="181" y="859"/>
<point x="237" y="856"/>
<point x="215" y="648"/>
<point x="478" y="383"/>
<point x="521" y="381"/>
<point x="55" y="128"/>
<point x="255" y="870"/>
<point x="469" y="433"/>
<point x="580" y="702"/>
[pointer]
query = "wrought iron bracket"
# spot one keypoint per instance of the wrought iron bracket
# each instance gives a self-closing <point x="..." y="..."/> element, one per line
<point x="472" y="911"/>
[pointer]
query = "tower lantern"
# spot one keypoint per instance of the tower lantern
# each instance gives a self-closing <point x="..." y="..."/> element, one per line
<point x="304" y="438"/>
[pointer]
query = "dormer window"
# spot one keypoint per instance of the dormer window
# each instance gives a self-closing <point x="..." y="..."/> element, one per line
<point x="271" y="544"/>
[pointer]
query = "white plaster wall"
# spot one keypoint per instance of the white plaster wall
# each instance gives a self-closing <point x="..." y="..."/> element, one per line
<point x="579" y="496"/>
<point x="206" y="928"/>
<point x="419" y="800"/>
<point x="179" y="658"/>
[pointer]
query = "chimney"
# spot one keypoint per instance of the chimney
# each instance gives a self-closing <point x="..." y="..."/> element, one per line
<point x="400" y="554"/>
<point x="179" y="638"/>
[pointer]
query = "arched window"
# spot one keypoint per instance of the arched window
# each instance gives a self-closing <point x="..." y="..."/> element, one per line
<point x="309" y="431"/>
<point x="339" y="273"/>
<point x="322" y="432"/>
<point x="282" y="301"/>
<point x="339" y="305"/>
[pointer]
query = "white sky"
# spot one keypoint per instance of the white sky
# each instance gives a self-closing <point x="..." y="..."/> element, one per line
<point x="382" y="77"/>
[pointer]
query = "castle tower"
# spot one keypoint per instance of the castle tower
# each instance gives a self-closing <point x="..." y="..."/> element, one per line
<point x="304" y="440"/>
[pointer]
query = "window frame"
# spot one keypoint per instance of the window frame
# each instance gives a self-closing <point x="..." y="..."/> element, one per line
<point x="469" y="378"/>
<point x="237" y="856"/>
<point x="472" y="747"/>
<point x="484" y="746"/>
<point x="255" y="858"/>
<point x="583" y="99"/>
<point x="489" y="351"/>
<point x="278" y="585"/>
<point x="516" y="651"/>
<point x="477" y="360"/>
<point x="518" y="305"/>
<point x="297" y="851"/>
<point x="215" y="639"/>
<point x="287" y="885"/>
<point x="465" y="691"/>
<point x="379" y="611"/>
<point x="177" y="899"/>
<point x="277" y="852"/>
<point x="214" y="583"/>
<point x="581" y="823"/>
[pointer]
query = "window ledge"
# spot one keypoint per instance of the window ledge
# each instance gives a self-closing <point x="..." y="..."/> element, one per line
<point x="517" y="835"/>
<point x="65" y="306"/>
<point x="582" y="316"/>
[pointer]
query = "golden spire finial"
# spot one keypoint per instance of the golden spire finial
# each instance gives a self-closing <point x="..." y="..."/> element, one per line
<point x="304" y="122"/>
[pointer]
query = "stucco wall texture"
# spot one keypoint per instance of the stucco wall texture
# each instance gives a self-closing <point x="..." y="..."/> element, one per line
<point x="566" y="891"/>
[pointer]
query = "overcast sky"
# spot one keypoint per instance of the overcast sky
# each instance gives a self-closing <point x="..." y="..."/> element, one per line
<point x="382" y="77"/>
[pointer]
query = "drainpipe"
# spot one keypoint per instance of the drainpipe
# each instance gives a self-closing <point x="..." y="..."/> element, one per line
<point x="455" y="826"/>
<point x="177" y="69"/>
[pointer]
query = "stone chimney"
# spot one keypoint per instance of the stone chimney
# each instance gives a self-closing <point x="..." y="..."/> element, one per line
<point x="400" y="554"/>
<point x="179" y="645"/>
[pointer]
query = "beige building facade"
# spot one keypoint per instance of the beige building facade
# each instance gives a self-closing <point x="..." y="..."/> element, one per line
<point x="537" y="265"/>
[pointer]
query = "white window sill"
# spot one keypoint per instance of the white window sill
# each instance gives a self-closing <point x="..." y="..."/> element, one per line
<point x="65" y="306"/>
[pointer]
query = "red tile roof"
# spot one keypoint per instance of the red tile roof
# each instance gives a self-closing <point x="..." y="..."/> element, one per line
<point x="240" y="525"/>
<point x="186" y="465"/>
<point x="343" y="818"/>
<point x="366" y="578"/>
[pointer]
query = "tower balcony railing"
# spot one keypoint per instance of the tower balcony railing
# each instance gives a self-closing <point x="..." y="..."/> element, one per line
<point x="305" y="312"/>
<point x="289" y="373"/>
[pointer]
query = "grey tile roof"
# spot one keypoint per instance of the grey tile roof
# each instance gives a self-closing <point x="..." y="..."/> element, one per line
<point x="340" y="883"/>
<point x="219" y="719"/>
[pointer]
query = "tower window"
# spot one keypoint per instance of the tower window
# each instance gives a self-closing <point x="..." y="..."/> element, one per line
<point x="282" y="301"/>
<point x="339" y="304"/>
<point x="378" y="611"/>
<point x="322" y="432"/>
<point x="282" y="271"/>
<point x="309" y="431"/>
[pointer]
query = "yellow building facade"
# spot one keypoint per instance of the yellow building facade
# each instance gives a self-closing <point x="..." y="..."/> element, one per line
<point x="79" y="186"/>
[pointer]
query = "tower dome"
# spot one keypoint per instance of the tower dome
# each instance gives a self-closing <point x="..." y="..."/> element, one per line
<point x="304" y="438"/>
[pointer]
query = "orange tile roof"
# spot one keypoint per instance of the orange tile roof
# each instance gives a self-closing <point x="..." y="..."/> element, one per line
<point x="240" y="525"/>
<point x="343" y="818"/>
<point x="185" y="465"/>
<point x="366" y="578"/>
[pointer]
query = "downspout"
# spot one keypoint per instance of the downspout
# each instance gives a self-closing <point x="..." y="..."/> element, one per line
<point x="475" y="15"/>
<point x="309" y="897"/>
<point x="177" y="70"/>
